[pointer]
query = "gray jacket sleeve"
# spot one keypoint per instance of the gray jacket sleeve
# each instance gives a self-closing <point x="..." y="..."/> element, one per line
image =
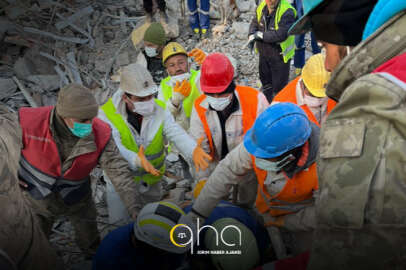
<point x="118" y="170"/>
<point x="231" y="170"/>
<point x="276" y="36"/>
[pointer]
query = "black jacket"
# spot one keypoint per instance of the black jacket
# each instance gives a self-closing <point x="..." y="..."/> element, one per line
<point x="269" y="47"/>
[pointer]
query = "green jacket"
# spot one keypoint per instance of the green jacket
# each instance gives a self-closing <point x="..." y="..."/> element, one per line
<point x="361" y="209"/>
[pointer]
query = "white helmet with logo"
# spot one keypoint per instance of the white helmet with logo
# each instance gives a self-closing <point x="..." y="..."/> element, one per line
<point x="155" y="222"/>
<point x="136" y="80"/>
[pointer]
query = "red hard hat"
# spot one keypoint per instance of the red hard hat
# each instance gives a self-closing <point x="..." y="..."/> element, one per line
<point x="216" y="74"/>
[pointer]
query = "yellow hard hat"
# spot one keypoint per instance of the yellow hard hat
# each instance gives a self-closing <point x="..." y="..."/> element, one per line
<point x="172" y="48"/>
<point x="315" y="76"/>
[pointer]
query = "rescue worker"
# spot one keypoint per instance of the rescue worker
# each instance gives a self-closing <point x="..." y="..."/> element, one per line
<point x="181" y="88"/>
<point x="140" y="124"/>
<point x="281" y="148"/>
<point x="139" y="244"/>
<point x="269" y="32"/>
<point x="151" y="53"/>
<point x="222" y="115"/>
<point x="145" y="243"/>
<point x="61" y="145"/>
<point x="360" y="211"/>
<point x="309" y="92"/>
<point x="22" y="242"/>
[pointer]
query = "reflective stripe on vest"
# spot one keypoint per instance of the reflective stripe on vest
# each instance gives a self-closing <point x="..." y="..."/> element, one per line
<point x="295" y="195"/>
<point x="167" y="92"/>
<point x="248" y="98"/>
<point x="288" y="94"/>
<point x="288" y="45"/>
<point x="44" y="175"/>
<point x="154" y="152"/>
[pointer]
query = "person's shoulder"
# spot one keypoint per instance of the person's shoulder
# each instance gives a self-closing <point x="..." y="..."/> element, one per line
<point x="117" y="237"/>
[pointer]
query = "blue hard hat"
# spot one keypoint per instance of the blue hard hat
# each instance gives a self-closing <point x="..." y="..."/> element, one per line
<point x="279" y="129"/>
<point x="303" y="24"/>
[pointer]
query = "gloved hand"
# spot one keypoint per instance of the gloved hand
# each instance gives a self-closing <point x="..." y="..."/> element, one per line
<point x="278" y="222"/>
<point x="198" y="188"/>
<point x="146" y="164"/>
<point x="258" y="35"/>
<point x="198" y="55"/>
<point x="184" y="88"/>
<point x="200" y="157"/>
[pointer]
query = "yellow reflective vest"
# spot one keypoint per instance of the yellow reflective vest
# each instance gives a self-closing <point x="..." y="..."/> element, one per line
<point x="154" y="152"/>
<point x="288" y="46"/>
<point x="167" y="92"/>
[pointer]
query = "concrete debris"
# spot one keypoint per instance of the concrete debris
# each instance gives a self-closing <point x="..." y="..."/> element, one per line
<point x="26" y="93"/>
<point x="79" y="14"/>
<point x="71" y="61"/>
<point x="51" y="35"/>
<point x="241" y="30"/>
<point x="8" y="87"/>
<point x="44" y="83"/>
<point x="53" y="43"/>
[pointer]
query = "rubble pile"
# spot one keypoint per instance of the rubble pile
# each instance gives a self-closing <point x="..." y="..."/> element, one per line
<point x="46" y="44"/>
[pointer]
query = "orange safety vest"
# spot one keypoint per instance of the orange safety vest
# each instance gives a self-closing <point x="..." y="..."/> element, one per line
<point x="288" y="94"/>
<point x="248" y="98"/>
<point x="295" y="195"/>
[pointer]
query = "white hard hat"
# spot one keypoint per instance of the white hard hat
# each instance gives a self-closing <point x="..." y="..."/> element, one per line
<point x="155" y="222"/>
<point x="136" y="80"/>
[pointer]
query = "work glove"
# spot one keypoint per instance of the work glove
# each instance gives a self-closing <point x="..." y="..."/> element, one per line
<point x="198" y="55"/>
<point x="258" y="35"/>
<point x="183" y="88"/>
<point x="200" y="157"/>
<point x="278" y="222"/>
<point x="198" y="188"/>
<point x="146" y="164"/>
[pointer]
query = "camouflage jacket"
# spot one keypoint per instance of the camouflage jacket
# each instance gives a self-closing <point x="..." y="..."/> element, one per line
<point x="361" y="210"/>
<point x="20" y="235"/>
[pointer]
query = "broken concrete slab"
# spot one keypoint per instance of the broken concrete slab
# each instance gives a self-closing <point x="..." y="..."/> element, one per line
<point x="23" y="68"/>
<point x="123" y="59"/>
<point x="15" y="10"/>
<point x="44" y="83"/>
<point x="245" y="6"/>
<point x="77" y="15"/>
<point x="241" y="29"/>
<point x="7" y="88"/>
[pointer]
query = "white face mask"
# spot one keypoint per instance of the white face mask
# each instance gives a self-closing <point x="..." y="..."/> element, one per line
<point x="267" y="165"/>
<point x="179" y="78"/>
<point x="151" y="51"/>
<point x="314" y="101"/>
<point x="144" y="108"/>
<point x="219" y="104"/>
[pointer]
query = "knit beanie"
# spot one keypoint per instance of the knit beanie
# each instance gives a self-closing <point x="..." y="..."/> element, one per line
<point x="155" y="34"/>
<point x="76" y="101"/>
